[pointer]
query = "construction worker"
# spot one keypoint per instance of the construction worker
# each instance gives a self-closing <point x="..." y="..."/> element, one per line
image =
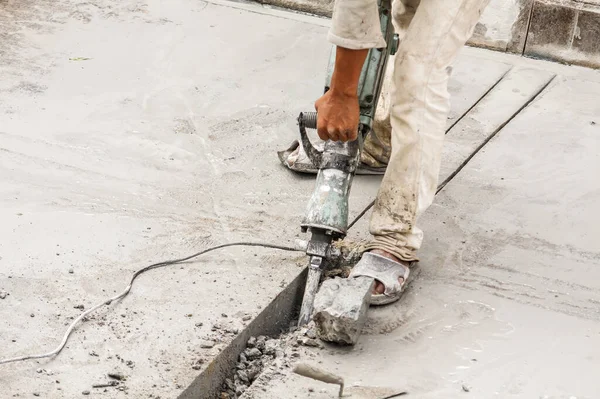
<point x="408" y="131"/>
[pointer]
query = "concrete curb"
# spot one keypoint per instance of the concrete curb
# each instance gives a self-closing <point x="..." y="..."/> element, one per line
<point x="564" y="31"/>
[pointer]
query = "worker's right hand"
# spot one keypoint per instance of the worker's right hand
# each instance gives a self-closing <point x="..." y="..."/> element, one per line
<point x="337" y="116"/>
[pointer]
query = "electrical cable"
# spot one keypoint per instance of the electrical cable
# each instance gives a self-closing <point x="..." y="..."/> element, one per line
<point x="123" y="294"/>
<point x="361" y="214"/>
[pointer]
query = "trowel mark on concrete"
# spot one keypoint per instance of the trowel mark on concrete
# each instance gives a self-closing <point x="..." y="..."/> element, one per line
<point x="416" y="318"/>
<point x="39" y="16"/>
<point x="28" y="88"/>
<point x="250" y="119"/>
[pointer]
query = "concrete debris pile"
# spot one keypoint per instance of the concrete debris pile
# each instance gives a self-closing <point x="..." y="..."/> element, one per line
<point x="258" y="353"/>
<point x="264" y="355"/>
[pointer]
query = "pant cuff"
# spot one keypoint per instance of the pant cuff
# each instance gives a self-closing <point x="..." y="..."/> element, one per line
<point x="393" y="247"/>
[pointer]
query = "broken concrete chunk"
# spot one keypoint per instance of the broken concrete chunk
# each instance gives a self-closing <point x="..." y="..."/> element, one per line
<point x="260" y="343"/>
<point x="340" y="309"/>
<point x="252" y="353"/>
<point x="243" y="376"/>
<point x="271" y="347"/>
<point x="305" y="341"/>
<point x="205" y="344"/>
<point x="311" y="332"/>
<point x="116" y="376"/>
<point x="240" y="389"/>
<point x="252" y="372"/>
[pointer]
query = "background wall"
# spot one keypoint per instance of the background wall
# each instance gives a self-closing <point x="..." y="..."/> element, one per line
<point x="566" y="31"/>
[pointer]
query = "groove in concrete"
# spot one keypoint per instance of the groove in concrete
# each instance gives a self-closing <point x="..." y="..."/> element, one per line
<point x="513" y="93"/>
<point x="273" y="320"/>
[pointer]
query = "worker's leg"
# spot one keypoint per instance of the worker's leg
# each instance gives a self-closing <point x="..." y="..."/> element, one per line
<point x="377" y="146"/>
<point x="419" y="105"/>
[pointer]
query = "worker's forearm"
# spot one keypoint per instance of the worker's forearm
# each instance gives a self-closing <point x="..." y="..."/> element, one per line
<point x="346" y="73"/>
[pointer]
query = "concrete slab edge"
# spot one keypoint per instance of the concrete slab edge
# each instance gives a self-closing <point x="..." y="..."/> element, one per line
<point x="272" y="321"/>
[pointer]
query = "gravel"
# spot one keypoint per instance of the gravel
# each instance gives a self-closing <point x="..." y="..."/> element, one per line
<point x="262" y="354"/>
<point x="259" y="352"/>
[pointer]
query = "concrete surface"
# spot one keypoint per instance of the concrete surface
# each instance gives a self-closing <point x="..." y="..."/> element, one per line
<point x="516" y="88"/>
<point x="133" y="132"/>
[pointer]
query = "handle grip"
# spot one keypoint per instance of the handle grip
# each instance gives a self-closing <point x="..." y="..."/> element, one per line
<point x="308" y="119"/>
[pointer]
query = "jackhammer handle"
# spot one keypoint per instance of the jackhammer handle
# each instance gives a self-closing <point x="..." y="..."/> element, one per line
<point x="308" y="119"/>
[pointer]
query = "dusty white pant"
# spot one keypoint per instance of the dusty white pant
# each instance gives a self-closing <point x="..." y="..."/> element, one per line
<point x="414" y="105"/>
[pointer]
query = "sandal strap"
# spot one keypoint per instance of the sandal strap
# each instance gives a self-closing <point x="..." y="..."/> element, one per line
<point x="382" y="269"/>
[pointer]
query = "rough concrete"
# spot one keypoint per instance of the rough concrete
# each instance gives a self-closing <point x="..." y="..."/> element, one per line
<point x="508" y="301"/>
<point x="128" y="137"/>
<point x="341" y="309"/>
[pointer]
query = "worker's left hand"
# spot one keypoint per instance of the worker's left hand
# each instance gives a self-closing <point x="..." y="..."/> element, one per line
<point x="338" y="116"/>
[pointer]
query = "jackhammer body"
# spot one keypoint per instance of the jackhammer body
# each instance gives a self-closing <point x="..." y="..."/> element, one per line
<point x="326" y="217"/>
